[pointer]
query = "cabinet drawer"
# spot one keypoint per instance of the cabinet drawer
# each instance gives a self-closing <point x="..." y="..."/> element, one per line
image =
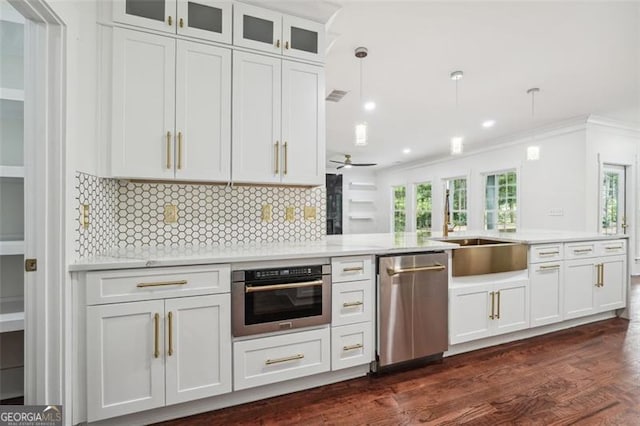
<point x="546" y="253"/>
<point x="352" y="302"/>
<point x="351" y="268"/>
<point x="266" y="360"/>
<point x="580" y="250"/>
<point x="611" y="248"/>
<point x="351" y="345"/>
<point x="145" y="284"/>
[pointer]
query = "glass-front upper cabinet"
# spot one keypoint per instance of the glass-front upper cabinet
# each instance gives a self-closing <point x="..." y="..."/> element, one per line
<point x="273" y="32"/>
<point x="205" y="19"/>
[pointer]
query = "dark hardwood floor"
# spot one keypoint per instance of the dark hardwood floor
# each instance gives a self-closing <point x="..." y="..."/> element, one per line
<point x="587" y="375"/>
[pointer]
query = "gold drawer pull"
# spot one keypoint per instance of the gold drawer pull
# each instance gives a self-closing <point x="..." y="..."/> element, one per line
<point x="170" y="319"/>
<point x="352" y="347"/>
<point x="548" y="253"/>
<point x="156" y="335"/>
<point x="161" y="283"/>
<point x="493" y="302"/>
<point x="278" y="43"/>
<point x="285" y="359"/>
<point x="353" y="269"/>
<point x="613" y="248"/>
<point x="544" y="267"/>
<point x="582" y="250"/>
<point x="286" y="44"/>
<point x="498" y="314"/>
<point x="181" y="23"/>
<point x="352" y="304"/>
<point x="170" y="21"/>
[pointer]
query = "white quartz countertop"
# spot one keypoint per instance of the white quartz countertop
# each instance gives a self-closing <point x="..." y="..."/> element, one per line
<point x="333" y="245"/>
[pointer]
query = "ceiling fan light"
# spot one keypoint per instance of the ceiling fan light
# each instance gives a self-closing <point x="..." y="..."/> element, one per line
<point x="361" y="134"/>
<point x="456" y="145"/>
<point x="347" y="166"/>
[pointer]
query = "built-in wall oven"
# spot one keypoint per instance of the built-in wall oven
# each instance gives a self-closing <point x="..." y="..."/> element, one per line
<point x="275" y="299"/>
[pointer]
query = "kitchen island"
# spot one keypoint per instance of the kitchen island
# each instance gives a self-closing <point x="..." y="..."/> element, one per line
<point x="152" y="325"/>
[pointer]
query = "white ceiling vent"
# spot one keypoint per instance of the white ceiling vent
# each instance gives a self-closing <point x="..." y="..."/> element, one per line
<point x="336" y="95"/>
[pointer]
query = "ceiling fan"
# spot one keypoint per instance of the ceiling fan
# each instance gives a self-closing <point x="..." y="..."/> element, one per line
<point x="347" y="163"/>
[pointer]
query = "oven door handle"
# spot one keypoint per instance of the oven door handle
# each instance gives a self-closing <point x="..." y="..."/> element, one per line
<point x="249" y="289"/>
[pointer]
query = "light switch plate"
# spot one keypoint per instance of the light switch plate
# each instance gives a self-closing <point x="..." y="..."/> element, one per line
<point x="309" y="213"/>
<point x="290" y="214"/>
<point x="267" y="212"/>
<point x="170" y="213"/>
<point x="556" y="212"/>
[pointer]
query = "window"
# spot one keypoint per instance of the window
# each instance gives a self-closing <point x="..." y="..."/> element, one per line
<point x="458" y="202"/>
<point x="423" y="207"/>
<point x="612" y="200"/>
<point x="399" y="208"/>
<point x="501" y="201"/>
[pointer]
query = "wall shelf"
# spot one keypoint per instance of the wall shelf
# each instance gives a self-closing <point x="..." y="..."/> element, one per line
<point x="360" y="201"/>
<point x="11" y="94"/>
<point x="11" y="314"/>
<point x="11" y="248"/>
<point x="11" y="172"/>
<point x="360" y="217"/>
<point x="362" y="185"/>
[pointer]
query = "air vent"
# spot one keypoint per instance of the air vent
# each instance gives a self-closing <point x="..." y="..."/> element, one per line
<point x="336" y="95"/>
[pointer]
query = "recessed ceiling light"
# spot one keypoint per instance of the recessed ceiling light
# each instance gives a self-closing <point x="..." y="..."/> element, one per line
<point x="456" y="145"/>
<point x="488" y="123"/>
<point x="406" y="151"/>
<point x="370" y="105"/>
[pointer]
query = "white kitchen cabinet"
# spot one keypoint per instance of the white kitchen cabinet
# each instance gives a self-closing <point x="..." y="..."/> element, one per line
<point x="484" y="310"/>
<point x="165" y="127"/>
<point x="580" y="277"/>
<point x="272" y="32"/>
<point x="198" y="355"/>
<point x="547" y="280"/>
<point x="351" y="345"/>
<point x="206" y="19"/>
<point x="125" y="358"/>
<point x="352" y="302"/>
<point x="611" y="292"/>
<point x="273" y="359"/>
<point x="278" y="116"/>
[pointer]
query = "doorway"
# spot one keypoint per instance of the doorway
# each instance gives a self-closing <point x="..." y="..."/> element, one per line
<point x="613" y="202"/>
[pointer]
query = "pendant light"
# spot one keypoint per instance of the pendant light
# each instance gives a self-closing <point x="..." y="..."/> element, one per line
<point x="456" y="141"/>
<point x="361" y="124"/>
<point x="533" y="151"/>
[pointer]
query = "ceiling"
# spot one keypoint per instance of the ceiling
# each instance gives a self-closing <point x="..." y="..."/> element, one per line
<point x="584" y="56"/>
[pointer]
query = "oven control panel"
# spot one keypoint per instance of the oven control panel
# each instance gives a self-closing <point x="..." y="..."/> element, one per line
<point x="280" y="273"/>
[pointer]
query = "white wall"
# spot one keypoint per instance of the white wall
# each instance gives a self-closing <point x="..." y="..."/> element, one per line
<point x="552" y="183"/>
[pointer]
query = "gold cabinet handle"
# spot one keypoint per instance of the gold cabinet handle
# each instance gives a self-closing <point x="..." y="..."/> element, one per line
<point x="600" y="276"/>
<point x="179" y="150"/>
<point x="548" y="253"/>
<point x="498" y="314"/>
<point x="170" y="21"/>
<point x="277" y="149"/>
<point x="161" y="283"/>
<point x="168" y="150"/>
<point x="286" y="44"/>
<point x="181" y="23"/>
<point x="353" y="269"/>
<point x="436" y="267"/>
<point x="170" y="320"/>
<point x="285" y="359"/>
<point x="582" y="250"/>
<point x="613" y="248"/>
<point x="493" y="301"/>
<point x="286" y="158"/>
<point x="352" y="304"/>
<point x="278" y="44"/>
<point x="156" y="334"/>
<point x="547" y="267"/>
<point x="352" y="347"/>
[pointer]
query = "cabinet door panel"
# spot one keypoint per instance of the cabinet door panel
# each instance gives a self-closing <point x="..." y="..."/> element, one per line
<point x="256" y="118"/>
<point x="303" y="39"/>
<point x="303" y="129"/>
<point x="579" y="288"/>
<point x="153" y="14"/>
<point x="199" y="365"/>
<point x="512" y="308"/>
<point x="612" y="294"/>
<point x="546" y="293"/>
<point x="206" y="19"/>
<point x="203" y="112"/>
<point x="143" y="105"/>
<point x="123" y="374"/>
<point x="469" y="313"/>
<point x="257" y="28"/>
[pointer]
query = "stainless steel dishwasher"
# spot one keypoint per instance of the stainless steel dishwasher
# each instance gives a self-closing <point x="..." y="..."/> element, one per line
<point x="412" y="307"/>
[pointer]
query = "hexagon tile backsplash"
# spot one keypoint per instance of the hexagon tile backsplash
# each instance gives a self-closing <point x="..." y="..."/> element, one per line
<point x="132" y="214"/>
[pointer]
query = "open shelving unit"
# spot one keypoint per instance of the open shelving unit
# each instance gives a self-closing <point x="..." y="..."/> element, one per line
<point x="12" y="174"/>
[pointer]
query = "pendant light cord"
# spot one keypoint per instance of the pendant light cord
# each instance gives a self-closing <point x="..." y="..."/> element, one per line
<point x="360" y="82"/>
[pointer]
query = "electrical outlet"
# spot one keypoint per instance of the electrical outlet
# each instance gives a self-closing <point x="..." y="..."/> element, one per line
<point x="170" y="213"/>
<point x="309" y="213"/>
<point x="267" y="212"/>
<point x="84" y="215"/>
<point x="290" y="214"/>
<point x="556" y="212"/>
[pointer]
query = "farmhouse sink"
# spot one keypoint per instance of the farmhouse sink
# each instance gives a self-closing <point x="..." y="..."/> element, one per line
<point x="479" y="256"/>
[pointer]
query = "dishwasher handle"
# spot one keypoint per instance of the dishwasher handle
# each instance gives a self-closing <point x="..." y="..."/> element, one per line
<point x="436" y="267"/>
